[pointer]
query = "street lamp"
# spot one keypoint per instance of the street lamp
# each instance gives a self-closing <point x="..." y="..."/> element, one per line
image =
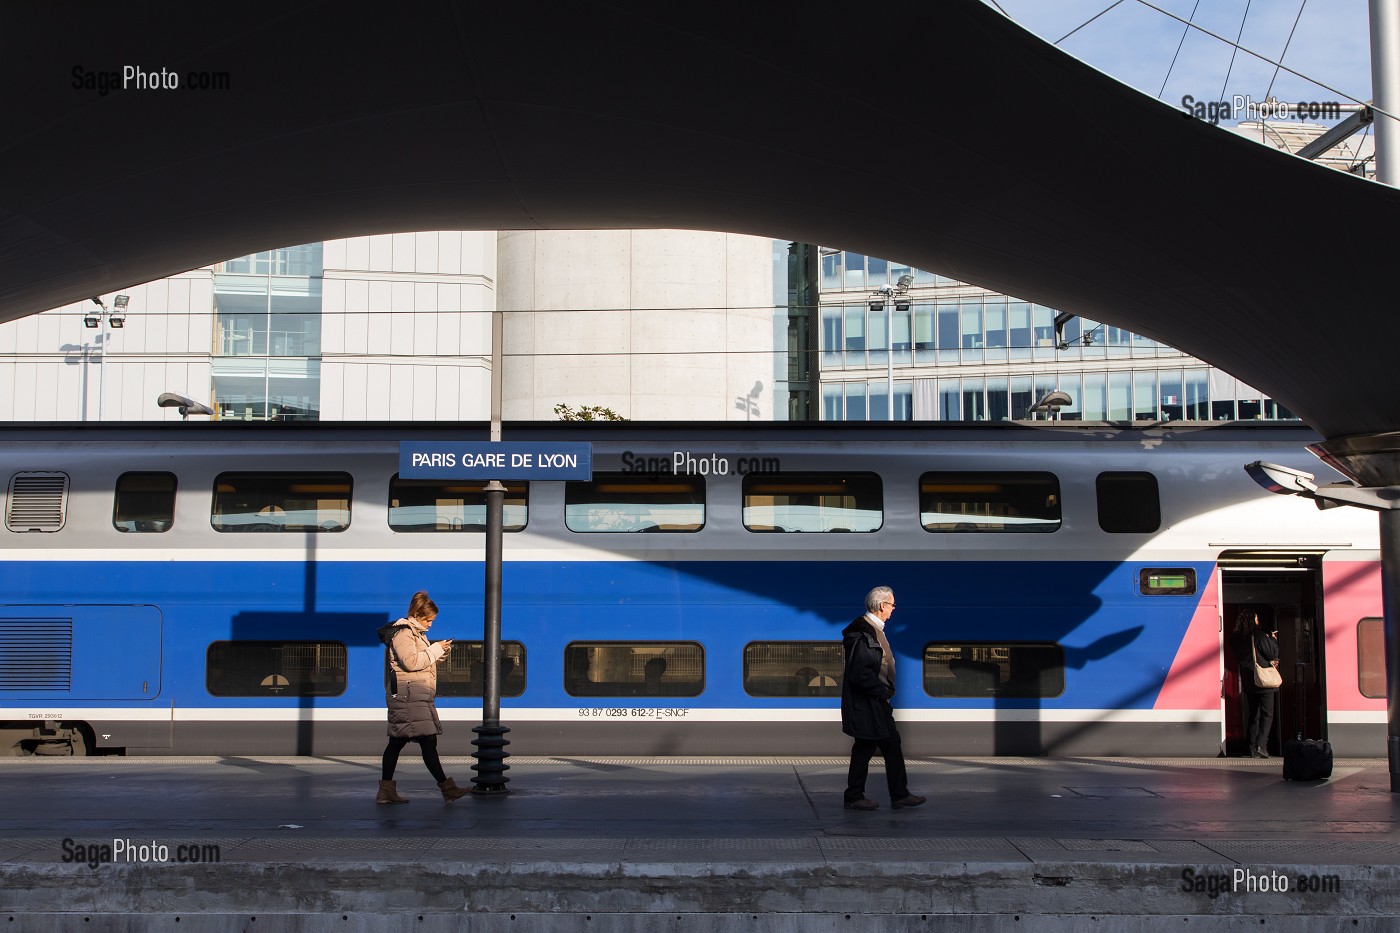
<point x="101" y="318"/>
<point x="891" y="298"/>
<point x="1052" y="402"/>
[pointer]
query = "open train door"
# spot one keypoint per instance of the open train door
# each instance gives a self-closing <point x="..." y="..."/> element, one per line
<point x="1284" y="587"/>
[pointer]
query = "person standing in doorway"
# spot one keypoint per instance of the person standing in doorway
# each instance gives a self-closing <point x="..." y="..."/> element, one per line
<point x="866" y="713"/>
<point x="1256" y="643"/>
<point x="411" y="691"/>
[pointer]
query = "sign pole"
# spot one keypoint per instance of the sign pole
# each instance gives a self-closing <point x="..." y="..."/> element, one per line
<point x="493" y="462"/>
<point x="490" y="767"/>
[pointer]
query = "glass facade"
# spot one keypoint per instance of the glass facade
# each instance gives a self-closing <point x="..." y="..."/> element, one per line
<point x="960" y="353"/>
<point x="267" y="336"/>
<point x="795" y="291"/>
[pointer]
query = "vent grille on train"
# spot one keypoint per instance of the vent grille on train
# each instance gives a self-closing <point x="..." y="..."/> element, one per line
<point x="36" y="654"/>
<point x="37" y="501"/>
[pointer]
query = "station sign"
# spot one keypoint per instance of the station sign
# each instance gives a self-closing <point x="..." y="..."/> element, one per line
<point x="499" y="461"/>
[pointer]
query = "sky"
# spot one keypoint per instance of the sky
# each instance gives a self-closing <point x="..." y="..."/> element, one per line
<point x="1135" y="44"/>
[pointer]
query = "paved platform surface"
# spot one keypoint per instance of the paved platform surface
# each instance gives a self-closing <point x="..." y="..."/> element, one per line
<point x="696" y="844"/>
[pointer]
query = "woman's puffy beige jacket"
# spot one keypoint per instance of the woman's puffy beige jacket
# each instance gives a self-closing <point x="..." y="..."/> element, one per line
<point x="412" y="686"/>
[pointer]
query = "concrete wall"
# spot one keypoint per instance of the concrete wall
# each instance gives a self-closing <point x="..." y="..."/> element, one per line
<point x="406" y="332"/>
<point x="700" y="335"/>
<point x="51" y="366"/>
<point x="406" y="327"/>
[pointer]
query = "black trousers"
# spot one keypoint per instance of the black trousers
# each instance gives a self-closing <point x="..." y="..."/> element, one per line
<point x="428" y="743"/>
<point x="1261" y="718"/>
<point x="893" y="752"/>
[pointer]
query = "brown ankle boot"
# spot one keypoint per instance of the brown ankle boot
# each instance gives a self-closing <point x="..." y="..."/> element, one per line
<point x="388" y="793"/>
<point x="450" y="790"/>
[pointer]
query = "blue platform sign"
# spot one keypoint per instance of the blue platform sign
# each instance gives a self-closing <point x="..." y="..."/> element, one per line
<point x="500" y="461"/>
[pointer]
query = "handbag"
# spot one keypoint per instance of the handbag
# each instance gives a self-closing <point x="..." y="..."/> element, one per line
<point x="1265" y="677"/>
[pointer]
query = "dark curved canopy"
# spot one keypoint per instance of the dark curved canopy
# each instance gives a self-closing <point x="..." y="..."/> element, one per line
<point x="956" y="142"/>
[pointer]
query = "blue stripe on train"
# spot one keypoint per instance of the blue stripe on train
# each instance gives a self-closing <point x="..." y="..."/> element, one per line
<point x="1118" y="645"/>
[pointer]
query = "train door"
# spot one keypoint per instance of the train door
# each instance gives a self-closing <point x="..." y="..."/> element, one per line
<point x="1285" y="589"/>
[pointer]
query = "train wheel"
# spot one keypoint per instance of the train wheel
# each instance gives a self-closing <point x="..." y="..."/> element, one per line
<point x="11" y="742"/>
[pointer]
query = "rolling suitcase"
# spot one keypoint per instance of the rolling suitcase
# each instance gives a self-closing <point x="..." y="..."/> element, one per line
<point x="1305" y="759"/>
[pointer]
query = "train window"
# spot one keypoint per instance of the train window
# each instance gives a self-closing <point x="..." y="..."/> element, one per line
<point x="145" y="502"/>
<point x="995" y="671"/>
<point x="1171" y="581"/>
<point x="813" y="502"/>
<point x="38" y="502"/>
<point x="1370" y="658"/>
<point x="275" y="669"/>
<point x="793" y="668"/>
<point x="459" y="674"/>
<point x="1129" y="503"/>
<point x="439" y="505"/>
<point x="272" y="502"/>
<point x="635" y="502"/>
<point x="634" y="669"/>
<point x="1017" y="503"/>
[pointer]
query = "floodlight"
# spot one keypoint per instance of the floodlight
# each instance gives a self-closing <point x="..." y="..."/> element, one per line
<point x="1287" y="481"/>
<point x="1284" y="481"/>
<point x="92" y="318"/>
<point x="1053" y="401"/>
<point x="187" y="406"/>
<point x="904" y="282"/>
<point x="121" y="301"/>
<point x="116" y="318"/>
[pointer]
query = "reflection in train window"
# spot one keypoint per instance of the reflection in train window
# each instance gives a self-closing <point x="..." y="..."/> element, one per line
<point x="272" y="502"/>
<point x="145" y="502"/>
<point x="998" y="671"/>
<point x="793" y="668"/>
<point x="635" y="502"/>
<point x="634" y="669"/>
<point x="1370" y="658"/>
<point x="275" y="669"/>
<point x="1128" y="503"/>
<point x="444" y="505"/>
<point x="459" y="673"/>
<point x="813" y="502"/>
<point x="1017" y="503"/>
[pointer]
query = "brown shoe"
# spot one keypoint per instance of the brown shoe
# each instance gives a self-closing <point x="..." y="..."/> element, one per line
<point x="388" y="793"/>
<point x="863" y="803"/>
<point x="913" y="800"/>
<point x="450" y="790"/>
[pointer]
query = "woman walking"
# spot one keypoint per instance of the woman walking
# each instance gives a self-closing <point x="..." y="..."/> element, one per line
<point x="411" y="690"/>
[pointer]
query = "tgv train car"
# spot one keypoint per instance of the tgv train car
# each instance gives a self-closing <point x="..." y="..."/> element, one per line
<point x="1062" y="588"/>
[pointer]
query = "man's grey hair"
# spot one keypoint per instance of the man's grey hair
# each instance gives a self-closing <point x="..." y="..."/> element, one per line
<point x="877" y="596"/>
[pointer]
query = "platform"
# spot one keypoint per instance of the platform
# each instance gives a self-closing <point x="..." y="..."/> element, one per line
<point x="695" y="844"/>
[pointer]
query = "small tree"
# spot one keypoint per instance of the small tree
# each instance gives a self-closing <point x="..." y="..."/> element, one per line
<point x="586" y="413"/>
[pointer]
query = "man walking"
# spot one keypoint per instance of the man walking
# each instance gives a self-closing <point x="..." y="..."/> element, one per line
<point x="866" y="713"/>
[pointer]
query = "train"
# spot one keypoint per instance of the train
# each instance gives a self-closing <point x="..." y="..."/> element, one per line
<point x="1064" y="588"/>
